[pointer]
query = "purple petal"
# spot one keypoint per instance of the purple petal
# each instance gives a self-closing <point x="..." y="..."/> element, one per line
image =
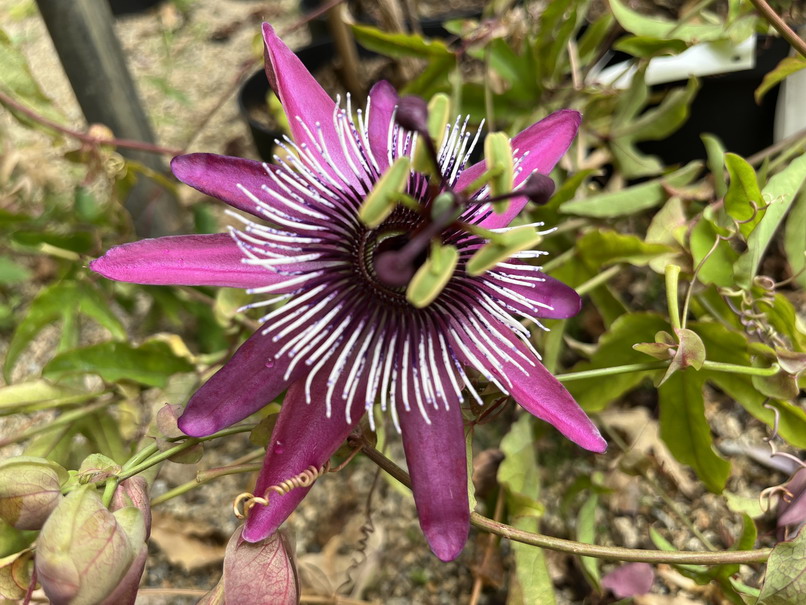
<point x="540" y="147"/>
<point x="542" y="395"/>
<point x="248" y="381"/>
<point x="186" y="260"/>
<point x="308" y="107"/>
<point x="435" y="454"/>
<point x="219" y="176"/>
<point x="528" y="382"/>
<point x="550" y="298"/>
<point x="383" y="100"/>
<point x="304" y="436"/>
<point x="630" y="580"/>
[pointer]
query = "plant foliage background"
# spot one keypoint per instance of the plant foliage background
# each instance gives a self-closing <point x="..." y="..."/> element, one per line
<point x="689" y="351"/>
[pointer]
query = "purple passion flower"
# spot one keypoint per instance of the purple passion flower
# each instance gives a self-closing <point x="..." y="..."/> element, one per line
<point x="344" y="338"/>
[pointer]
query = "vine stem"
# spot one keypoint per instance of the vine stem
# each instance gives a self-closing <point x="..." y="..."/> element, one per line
<point x="779" y="24"/>
<point x="83" y="136"/>
<point x="130" y="471"/>
<point x="616" y="553"/>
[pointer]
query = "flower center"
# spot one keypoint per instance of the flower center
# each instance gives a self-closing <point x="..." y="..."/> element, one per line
<point x="381" y="262"/>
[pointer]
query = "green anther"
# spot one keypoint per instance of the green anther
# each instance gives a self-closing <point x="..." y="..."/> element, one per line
<point x="433" y="275"/>
<point x="501" y="248"/>
<point x="500" y="167"/>
<point x="386" y="194"/>
<point x="439" y="111"/>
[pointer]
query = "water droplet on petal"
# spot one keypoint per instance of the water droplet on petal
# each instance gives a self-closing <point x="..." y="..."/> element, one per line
<point x="278" y="448"/>
<point x="270" y="362"/>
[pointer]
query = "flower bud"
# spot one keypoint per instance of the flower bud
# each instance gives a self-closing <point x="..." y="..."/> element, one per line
<point x="85" y="553"/>
<point x="259" y="573"/>
<point x="134" y="492"/>
<point x="30" y="488"/>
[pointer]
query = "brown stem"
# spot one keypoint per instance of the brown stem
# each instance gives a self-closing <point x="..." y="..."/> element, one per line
<point x="82" y="136"/>
<point x="615" y="553"/>
<point x="779" y="24"/>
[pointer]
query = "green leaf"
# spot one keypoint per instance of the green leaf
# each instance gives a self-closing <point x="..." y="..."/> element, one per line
<point x="743" y="190"/>
<point x="568" y="189"/>
<point x="632" y="199"/>
<point x="78" y="241"/>
<point x="11" y="272"/>
<point x="399" y="45"/>
<point x="150" y="364"/>
<point x="48" y="305"/>
<point x="586" y="533"/>
<point x="655" y="27"/>
<point x="780" y="191"/>
<point x="60" y="301"/>
<point x="685" y="430"/>
<point x="786" y="573"/>
<point x="716" y="161"/>
<point x="784" y="69"/>
<point x="38" y="394"/>
<point x="604" y="247"/>
<point x="795" y="239"/>
<point x="660" y="122"/>
<point x="591" y="40"/>
<point x="17" y="80"/>
<point x="518" y="474"/>
<point x="615" y="349"/>
<point x="432" y="79"/>
<point x="645" y="46"/>
<point x="729" y="346"/>
<point x="718" y="268"/>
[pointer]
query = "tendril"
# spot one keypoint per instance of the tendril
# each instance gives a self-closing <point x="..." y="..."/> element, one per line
<point x="245" y="501"/>
<point x="765" y="497"/>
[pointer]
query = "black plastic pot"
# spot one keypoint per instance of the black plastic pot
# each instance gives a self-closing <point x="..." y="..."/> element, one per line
<point x="725" y="106"/>
<point x="127" y="7"/>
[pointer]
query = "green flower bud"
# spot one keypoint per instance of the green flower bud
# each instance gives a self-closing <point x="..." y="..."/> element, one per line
<point x="30" y="488"/>
<point x="85" y="553"/>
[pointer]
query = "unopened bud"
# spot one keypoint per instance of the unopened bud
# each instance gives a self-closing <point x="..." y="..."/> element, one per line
<point x="134" y="492"/>
<point x="30" y="488"/>
<point x="85" y="553"/>
<point x="260" y="573"/>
